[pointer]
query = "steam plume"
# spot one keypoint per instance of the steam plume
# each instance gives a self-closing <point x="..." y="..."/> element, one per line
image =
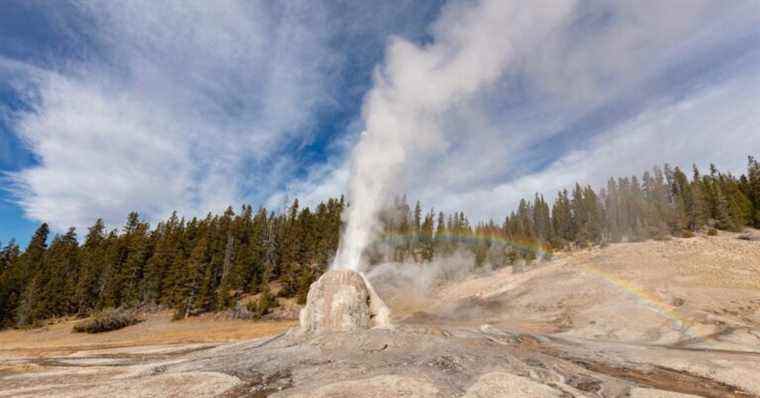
<point x="473" y="46"/>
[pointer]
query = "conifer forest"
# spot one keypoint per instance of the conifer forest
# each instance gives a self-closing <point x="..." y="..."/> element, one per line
<point x="207" y="264"/>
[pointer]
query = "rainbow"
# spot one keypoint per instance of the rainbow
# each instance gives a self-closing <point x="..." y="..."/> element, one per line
<point x="647" y="299"/>
<point x="642" y="296"/>
<point x="398" y="238"/>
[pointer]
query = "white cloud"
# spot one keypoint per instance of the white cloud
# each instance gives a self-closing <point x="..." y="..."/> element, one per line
<point x="719" y="125"/>
<point x="607" y="55"/>
<point x="505" y="86"/>
<point x="180" y="103"/>
<point x="190" y="104"/>
<point x="99" y="154"/>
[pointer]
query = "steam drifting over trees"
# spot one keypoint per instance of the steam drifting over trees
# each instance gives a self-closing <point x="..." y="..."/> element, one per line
<point x="201" y="265"/>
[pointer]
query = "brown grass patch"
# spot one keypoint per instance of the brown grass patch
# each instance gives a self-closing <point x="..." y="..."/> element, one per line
<point x="158" y="329"/>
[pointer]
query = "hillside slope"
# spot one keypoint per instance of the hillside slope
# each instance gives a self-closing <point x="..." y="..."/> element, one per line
<point x="651" y="319"/>
<point x="698" y="292"/>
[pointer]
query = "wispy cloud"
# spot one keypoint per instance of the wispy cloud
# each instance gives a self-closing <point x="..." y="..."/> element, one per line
<point x="609" y="96"/>
<point x="608" y="88"/>
<point x="195" y="106"/>
<point x="183" y="101"/>
<point x="716" y="125"/>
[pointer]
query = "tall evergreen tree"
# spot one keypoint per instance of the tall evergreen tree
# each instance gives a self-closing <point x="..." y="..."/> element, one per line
<point x="90" y="274"/>
<point x="612" y="205"/>
<point x="9" y="273"/>
<point x="116" y="252"/>
<point x="190" y="284"/>
<point x="30" y="265"/>
<point x="562" y="219"/>
<point x="138" y="250"/>
<point x="426" y="242"/>
<point x="55" y="285"/>
<point x="690" y="212"/>
<point x="417" y="217"/>
<point x="753" y="189"/>
<point x="441" y="235"/>
<point x="167" y="239"/>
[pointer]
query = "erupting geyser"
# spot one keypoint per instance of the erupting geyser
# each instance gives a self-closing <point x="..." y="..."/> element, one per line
<point x="343" y="301"/>
<point x="405" y="113"/>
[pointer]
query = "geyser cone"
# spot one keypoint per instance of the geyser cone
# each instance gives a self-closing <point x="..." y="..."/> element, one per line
<point x="341" y="301"/>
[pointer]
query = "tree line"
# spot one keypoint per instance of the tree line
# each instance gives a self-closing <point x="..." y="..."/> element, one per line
<point x="662" y="203"/>
<point x="192" y="266"/>
<point x="201" y="265"/>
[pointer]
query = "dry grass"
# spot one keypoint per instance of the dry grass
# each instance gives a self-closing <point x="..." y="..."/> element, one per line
<point x="57" y="339"/>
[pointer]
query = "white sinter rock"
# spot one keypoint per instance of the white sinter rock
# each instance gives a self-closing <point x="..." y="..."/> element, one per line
<point x="341" y="301"/>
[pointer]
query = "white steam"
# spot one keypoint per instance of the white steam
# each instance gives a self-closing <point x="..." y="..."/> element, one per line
<point x="408" y="287"/>
<point x="473" y="46"/>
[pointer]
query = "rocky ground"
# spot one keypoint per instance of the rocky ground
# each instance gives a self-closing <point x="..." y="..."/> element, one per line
<point x="651" y="319"/>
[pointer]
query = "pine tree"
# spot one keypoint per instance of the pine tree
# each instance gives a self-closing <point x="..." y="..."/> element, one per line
<point x="661" y="210"/>
<point x="55" y="285"/>
<point x="636" y="211"/>
<point x="189" y="285"/>
<point x="23" y="288"/>
<point x="290" y="237"/>
<point x="687" y="204"/>
<point x="92" y="259"/>
<point x="227" y="281"/>
<point x="417" y="217"/>
<point x="699" y="212"/>
<point x="753" y="189"/>
<point x="525" y="230"/>
<point x="253" y="261"/>
<point x="542" y="219"/>
<point x="8" y="283"/>
<point x="115" y="255"/>
<point x="612" y="206"/>
<point x="173" y="285"/>
<point x="167" y="237"/>
<point x="4" y="259"/>
<point x="722" y="217"/>
<point x="35" y="253"/>
<point x="441" y="233"/>
<point x="580" y="217"/>
<point x="404" y="247"/>
<point x="426" y="238"/>
<point x="562" y="219"/>
<point x="138" y="250"/>
<point x="595" y="218"/>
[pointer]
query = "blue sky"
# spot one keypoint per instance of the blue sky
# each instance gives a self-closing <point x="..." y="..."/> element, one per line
<point x="107" y="108"/>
